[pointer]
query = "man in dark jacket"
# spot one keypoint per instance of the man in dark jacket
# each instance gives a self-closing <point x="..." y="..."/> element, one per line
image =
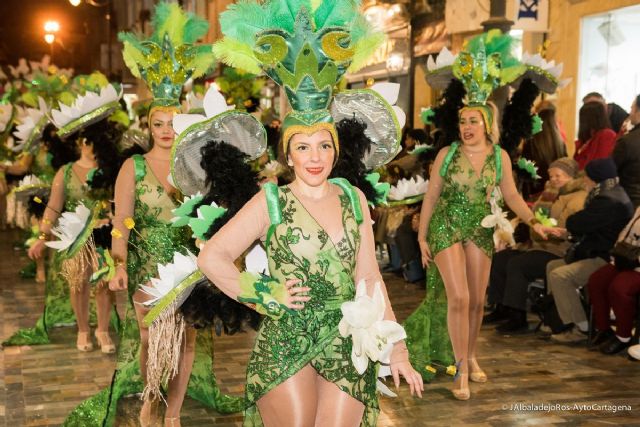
<point x="595" y="230"/>
<point x="626" y="154"/>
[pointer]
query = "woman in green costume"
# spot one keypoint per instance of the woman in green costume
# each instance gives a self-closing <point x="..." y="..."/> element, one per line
<point x="71" y="186"/>
<point x="459" y="212"/>
<point x="143" y="235"/>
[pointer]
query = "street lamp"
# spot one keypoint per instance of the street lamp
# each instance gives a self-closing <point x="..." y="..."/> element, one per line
<point x="50" y="28"/>
<point x="74" y="3"/>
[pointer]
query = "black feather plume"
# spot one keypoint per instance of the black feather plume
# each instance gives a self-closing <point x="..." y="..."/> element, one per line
<point x="516" y="118"/>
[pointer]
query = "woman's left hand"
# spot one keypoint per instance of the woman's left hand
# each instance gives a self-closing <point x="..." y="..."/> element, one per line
<point x="543" y="231"/>
<point x="413" y="378"/>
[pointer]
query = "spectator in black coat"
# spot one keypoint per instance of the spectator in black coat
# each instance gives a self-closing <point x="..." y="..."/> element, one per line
<point x="626" y="154"/>
<point x="594" y="230"/>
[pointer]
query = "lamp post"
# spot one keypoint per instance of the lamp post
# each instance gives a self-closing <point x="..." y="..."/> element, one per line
<point x="50" y="30"/>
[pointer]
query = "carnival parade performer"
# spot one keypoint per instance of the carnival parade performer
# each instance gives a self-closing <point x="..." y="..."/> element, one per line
<point x="143" y="236"/>
<point x="305" y="365"/>
<point x="462" y="206"/>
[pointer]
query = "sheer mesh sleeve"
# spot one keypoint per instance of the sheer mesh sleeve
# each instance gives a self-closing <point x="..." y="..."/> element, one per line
<point x="216" y="259"/>
<point x="367" y="269"/>
<point x="56" y="202"/>
<point x="125" y="199"/>
<point x="510" y="193"/>
<point x="431" y="196"/>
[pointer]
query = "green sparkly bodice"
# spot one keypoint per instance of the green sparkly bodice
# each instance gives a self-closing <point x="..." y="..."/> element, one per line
<point x="298" y="247"/>
<point x="464" y="201"/>
<point x="154" y="240"/>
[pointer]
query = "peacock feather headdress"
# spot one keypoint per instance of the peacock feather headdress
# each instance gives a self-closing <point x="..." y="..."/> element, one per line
<point x="305" y="46"/>
<point x="167" y="59"/>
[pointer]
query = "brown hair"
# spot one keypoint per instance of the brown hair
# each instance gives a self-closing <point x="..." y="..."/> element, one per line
<point x="547" y="145"/>
<point x="592" y="118"/>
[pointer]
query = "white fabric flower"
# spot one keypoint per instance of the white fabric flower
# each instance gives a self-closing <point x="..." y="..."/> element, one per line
<point x="498" y="219"/>
<point x="29" y="119"/>
<point x="372" y="336"/>
<point x="406" y="188"/>
<point x="69" y="227"/>
<point x="214" y="104"/>
<point x="29" y="180"/>
<point x="169" y="276"/>
<point x="390" y="92"/>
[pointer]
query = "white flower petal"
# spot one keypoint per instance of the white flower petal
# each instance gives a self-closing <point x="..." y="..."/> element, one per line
<point x="182" y="122"/>
<point x="389" y="91"/>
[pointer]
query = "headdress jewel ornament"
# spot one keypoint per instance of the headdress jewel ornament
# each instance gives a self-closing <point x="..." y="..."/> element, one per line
<point x="306" y="47"/>
<point x="167" y="59"/>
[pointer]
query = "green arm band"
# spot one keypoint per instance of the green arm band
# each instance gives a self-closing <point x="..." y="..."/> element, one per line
<point x="265" y="292"/>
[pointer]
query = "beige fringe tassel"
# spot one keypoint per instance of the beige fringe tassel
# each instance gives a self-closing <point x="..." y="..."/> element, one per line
<point x="78" y="269"/>
<point x="165" y="348"/>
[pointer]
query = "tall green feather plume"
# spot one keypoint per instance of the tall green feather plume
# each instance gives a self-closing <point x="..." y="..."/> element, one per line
<point x="335" y="13"/>
<point x="243" y="20"/>
<point x="364" y="48"/>
<point x="236" y="54"/>
<point x="497" y="42"/>
<point x="203" y="61"/>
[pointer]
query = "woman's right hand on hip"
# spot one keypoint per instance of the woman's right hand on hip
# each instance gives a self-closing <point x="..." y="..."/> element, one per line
<point x="120" y="280"/>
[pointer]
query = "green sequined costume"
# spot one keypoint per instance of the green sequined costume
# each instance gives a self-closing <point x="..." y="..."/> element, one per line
<point x="153" y="241"/>
<point x="456" y="217"/>
<point x="57" y="303"/>
<point x="298" y="247"/>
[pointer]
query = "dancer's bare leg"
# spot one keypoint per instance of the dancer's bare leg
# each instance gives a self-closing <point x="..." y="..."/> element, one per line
<point x="450" y="264"/>
<point x="293" y="403"/>
<point x="41" y="275"/>
<point x="335" y="407"/>
<point x="104" y="302"/>
<point x="80" y="303"/>
<point x="478" y="269"/>
<point x="178" y="384"/>
<point x="148" y="413"/>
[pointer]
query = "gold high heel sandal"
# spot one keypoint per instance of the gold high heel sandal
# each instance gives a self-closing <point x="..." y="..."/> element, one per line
<point x="149" y="414"/>
<point x="104" y="342"/>
<point x="478" y="376"/>
<point x="83" y="342"/>
<point x="461" y="393"/>
<point x="172" y="422"/>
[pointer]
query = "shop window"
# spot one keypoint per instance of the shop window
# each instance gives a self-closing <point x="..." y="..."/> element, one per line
<point x="608" y="61"/>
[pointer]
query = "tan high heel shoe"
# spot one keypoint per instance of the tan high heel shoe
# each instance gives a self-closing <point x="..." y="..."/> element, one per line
<point x="461" y="393"/>
<point x="149" y="414"/>
<point x="83" y="342"/>
<point x="478" y="375"/>
<point x="172" y="422"/>
<point x="104" y="342"/>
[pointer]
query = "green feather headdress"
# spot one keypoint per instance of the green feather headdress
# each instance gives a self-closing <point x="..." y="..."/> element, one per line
<point x="485" y="64"/>
<point x="169" y="57"/>
<point x="305" y="46"/>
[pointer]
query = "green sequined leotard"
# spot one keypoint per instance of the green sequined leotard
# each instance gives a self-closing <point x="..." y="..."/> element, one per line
<point x="57" y="305"/>
<point x="298" y="247"/>
<point x="456" y="217"/>
<point x="153" y="241"/>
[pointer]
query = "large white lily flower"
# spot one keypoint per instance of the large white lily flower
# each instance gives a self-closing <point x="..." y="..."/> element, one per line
<point x="84" y="104"/>
<point x="29" y="180"/>
<point x="372" y="336"/>
<point x="390" y="92"/>
<point x="498" y="219"/>
<point x="406" y="188"/>
<point x="445" y="59"/>
<point x="29" y="119"/>
<point x="69" y="227"/>
<point x="169" y="276"/>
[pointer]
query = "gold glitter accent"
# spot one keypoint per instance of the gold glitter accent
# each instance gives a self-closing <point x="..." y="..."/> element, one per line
<point x="310" y="130"/>
<point x="271" y="49"/>
<point x="331" y="46"/>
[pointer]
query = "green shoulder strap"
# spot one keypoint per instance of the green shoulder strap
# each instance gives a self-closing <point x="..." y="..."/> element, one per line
<point x="498" y="153"/>
<point x="353" y="196"/>
<point x="139" y="167"/>
<point x="67" y="175"/>
<point x="448" y="158"/>
<point x="273" y="207"/>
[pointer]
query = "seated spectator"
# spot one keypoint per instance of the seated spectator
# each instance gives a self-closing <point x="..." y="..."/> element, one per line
<point x="616" y="286"/>
<point x="626" y="154"/>
<point x="512" y="270"/>
<point x="615" y="113"/>
<point x="594" y="230"/>
<point x="596" y="140"/>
